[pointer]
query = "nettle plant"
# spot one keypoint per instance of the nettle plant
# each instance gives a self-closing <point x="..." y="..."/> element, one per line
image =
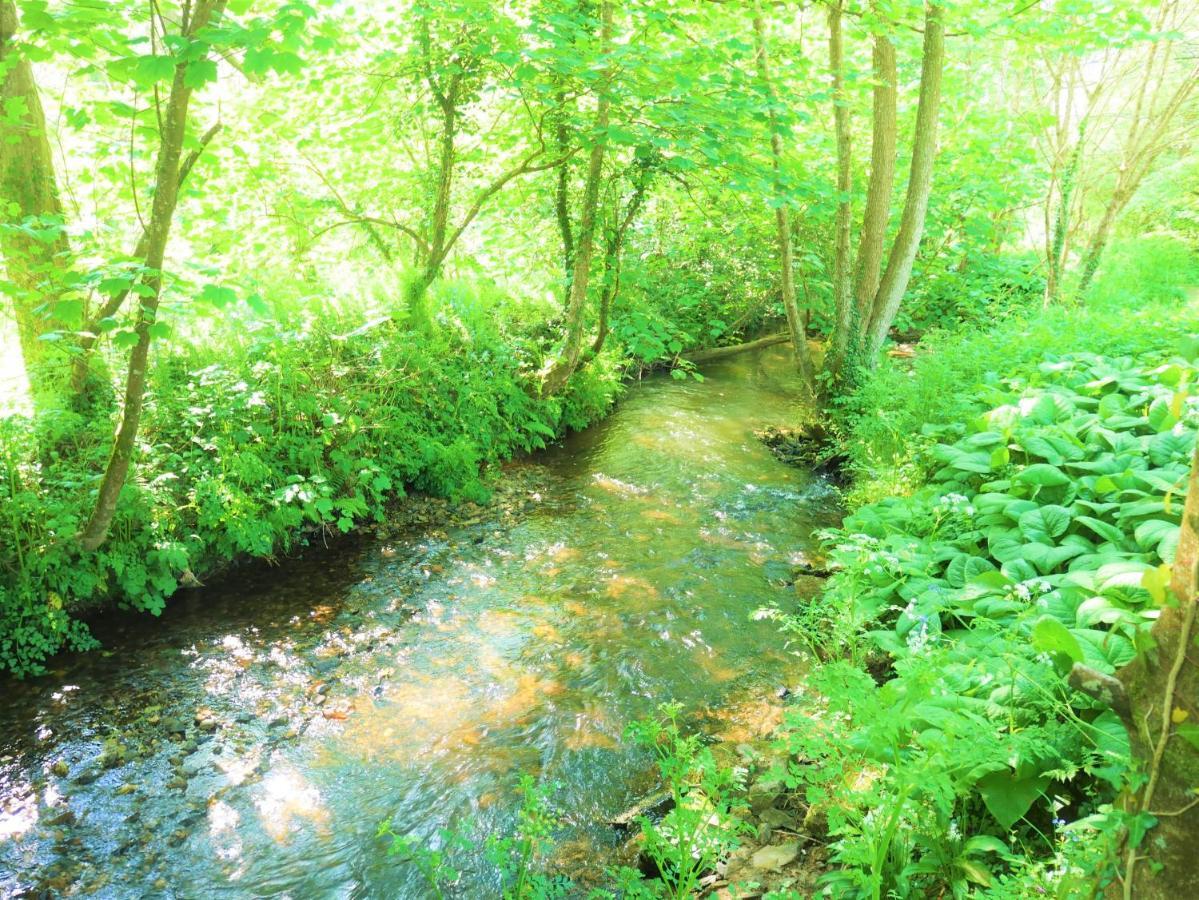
<point x="1041" y="540"/>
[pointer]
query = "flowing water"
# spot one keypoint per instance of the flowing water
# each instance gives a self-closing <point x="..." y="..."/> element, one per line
<point x="250" y="742"/>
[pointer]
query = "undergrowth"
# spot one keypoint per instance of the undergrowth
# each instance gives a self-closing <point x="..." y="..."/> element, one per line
<point x="305" y="426"/>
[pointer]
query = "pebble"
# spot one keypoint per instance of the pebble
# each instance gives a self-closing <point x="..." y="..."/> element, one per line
<point x="60" y="768"/>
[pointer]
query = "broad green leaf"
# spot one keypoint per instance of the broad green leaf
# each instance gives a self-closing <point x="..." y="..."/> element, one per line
<point x="1009" y="798"/>
<point x="1051" y="636"/>
<point x="1045" y="523"/>
<point x="1042" y="475"/>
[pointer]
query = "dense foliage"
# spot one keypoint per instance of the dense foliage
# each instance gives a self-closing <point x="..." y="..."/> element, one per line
<point x="1038" y="519"/>
<point x="305" y="428"/>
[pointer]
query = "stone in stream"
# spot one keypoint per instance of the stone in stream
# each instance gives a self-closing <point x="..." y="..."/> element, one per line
<point x="60" y="768"/>
<point x="655" y="805"/>
<point x="114" y="754"/>
<point x="773" y="858"/>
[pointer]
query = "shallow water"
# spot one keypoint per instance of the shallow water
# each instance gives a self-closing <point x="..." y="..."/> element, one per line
<point x="414" y="678"/>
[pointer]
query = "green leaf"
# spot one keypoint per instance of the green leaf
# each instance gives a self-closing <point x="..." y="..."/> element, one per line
<point x="1171" y="446"/>
<point x="1157" y="582"/>
<point x="217" y="295"/>
<point x="964" y="567"/>
<point x="1105" y="530"/>
<point x="1045" y="523"/>
<point x="1189" y="732"/>
<point x="1007" y="797"/>
<point x="150" y="70"/>
<point x="1051" y="636"/>
<point x="199" y="73"/>
<point x="1042" y="475"/>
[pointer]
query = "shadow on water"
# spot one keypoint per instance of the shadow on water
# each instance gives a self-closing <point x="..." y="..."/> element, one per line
<point x="249" y="743"/>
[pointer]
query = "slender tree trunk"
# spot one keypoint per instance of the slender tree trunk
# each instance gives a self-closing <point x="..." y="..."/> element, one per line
<point x="1061" y="221"/>
<point x="911" y="225"/>
<point x="443" y="189"/>
<point x="1098" y="241"/>
<point x="1162" y="693"/>
<point x="843" y="301"/>
<point x="613" y="255"/>
<point x="166" y="195"/>
<point x="86" y="381"/>
<point x="882" y="178"/>
<point x="562" y="194"/>
<point x="27" y="182"/>
<point x="795" y="324"/>
<point x="567" y="360"/>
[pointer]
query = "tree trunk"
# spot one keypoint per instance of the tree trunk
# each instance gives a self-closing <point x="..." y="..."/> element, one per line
<point x="920" y="181"/>
<point x="562" y="194"/>
<point x="843" y="301"/>
<point x="166" y="195"/>
<point x="795" y="324"/>
<point x="1061" y="222"/>
<point x="417" y="293"/>
<point x="86" y="381"/>
<point x="1098" y="243"/>
<point x="847" y="344"/>
<point x="613" y="253"/>
<point x="1162" y="687"/>
<point x="27" y="180"/>
<point x="568" y="359"/>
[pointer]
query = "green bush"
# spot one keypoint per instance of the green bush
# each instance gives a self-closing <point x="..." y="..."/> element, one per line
<point x="989" y="288"/>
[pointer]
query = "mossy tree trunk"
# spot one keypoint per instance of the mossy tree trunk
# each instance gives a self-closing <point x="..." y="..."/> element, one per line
<point x="1162" y="688"/>
<point x="34" y="240"/>
<point x="883" y="140"/>
<point x="567" y="359"/>
<point x="614" y="238"/>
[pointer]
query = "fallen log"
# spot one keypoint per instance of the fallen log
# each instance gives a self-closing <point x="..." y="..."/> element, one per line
<point x="698" y="356"/>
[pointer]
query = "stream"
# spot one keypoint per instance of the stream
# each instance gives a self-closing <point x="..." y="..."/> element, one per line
<point x="249" y="742"/>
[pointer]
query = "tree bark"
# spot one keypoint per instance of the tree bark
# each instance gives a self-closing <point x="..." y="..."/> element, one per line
<point x="843" y="301"/>
<point x="567" y="360"/>
<point x="1061" y="221"/>
<point x="698" y="356"/>
<point x="613" y="255"/>
<point x="795" y="324"/>
<point x="166" y="195"/>
<point x="847" y="345"/>
<point x="920" y="180"/>
<point x="1162" y="686"/>
<point x="27" y="181"/>
<point x="562" y="194"/>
